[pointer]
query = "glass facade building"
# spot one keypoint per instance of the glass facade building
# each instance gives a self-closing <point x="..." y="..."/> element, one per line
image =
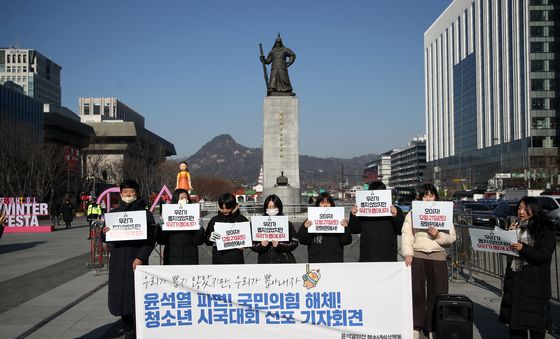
<point x="491" y="89"/>
<point x="21" y="114"/>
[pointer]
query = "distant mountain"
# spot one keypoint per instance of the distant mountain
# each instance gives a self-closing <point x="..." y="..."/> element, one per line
<point x="224" y="157"/>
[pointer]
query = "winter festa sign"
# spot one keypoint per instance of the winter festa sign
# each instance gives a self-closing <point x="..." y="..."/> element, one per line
<point x="438" y="214"/>
<point x="496" y="241"/>
<point x="180" y="217"/>
<point x="274" y="301"/>
<point x="129" y="225"/>
<point x="22" y="214"/>
<point x="233" y="235"/>
<point x="325" y="219"/>
<point x="376" y="203"/>
<point x="272" y="228"/>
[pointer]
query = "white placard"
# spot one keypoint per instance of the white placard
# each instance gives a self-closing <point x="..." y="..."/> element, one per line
<point x="438" y="214"/>
<point x="496" y="240"/>
<point x="129" y="225"/>
<point x="233" y="235"/>
<point x="274" y="301"/>
<point x="180" y="217"/>
<point x="376" y="203"/>
<point x="270" y="228"/>
<point x="325" y="219"/>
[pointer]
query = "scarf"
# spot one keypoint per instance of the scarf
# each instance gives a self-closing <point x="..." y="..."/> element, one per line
<point x="524" y="237"/>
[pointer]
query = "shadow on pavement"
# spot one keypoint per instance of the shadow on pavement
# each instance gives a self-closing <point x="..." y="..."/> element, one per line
<point x="114" y="330"/>
<point x="20" y="246"/>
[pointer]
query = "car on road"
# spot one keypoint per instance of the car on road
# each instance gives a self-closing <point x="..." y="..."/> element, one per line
<point x="551" y="206"/>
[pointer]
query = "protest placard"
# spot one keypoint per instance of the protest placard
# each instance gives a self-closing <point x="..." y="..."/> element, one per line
<point x="376" y="203"/>
<point x="129" y="225"/>
<point x="180" y="217"/>
<point x="438" y="214"/>
<point x="274" y="301"/>
<point x="496" y="240"/>
<point x="325" y="219"/>
<point x="270" y="228"/>
<point x="233" y="235"/>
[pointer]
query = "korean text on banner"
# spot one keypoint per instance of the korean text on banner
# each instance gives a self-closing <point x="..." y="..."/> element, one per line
<point x="180" y="217"/>
<point x="325" y="219"/>
<point x="376" y="203"/>
<point x="270" y="228"/>
<point x="496" y="240"/>
<point x="129" y="225"/>
<point x="438" y="214"/>
<point x="280" y="301"/>
<point x="233" y="235"/>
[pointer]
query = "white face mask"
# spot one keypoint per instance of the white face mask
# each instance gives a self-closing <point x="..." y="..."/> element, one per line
<point x="128" y="200"/>
<point x="183" y="202"/>
<point x="272" y="211"/>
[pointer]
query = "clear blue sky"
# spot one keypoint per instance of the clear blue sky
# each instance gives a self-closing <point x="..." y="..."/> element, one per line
<point x="192" y="67"/>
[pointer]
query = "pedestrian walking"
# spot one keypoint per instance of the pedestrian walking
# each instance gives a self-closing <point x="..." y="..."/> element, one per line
<point x="228" y="211"/>
<point x="424" y="251"/>
<point x="324" y="247"/>
<point x="55" y="212"/>
<point x="67" y="210"/>
<point x="526" y="295"/>
<point x="378" y="240"/>
<point x="276" y="252"/>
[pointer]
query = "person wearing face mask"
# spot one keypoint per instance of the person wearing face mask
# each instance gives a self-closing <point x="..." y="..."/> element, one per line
<point x="424" y="251"/>
<point x="125" y="256"/>
<point x="326" y="247"/>
<point x="526" y="295"/>
<point x="181" y="247"/>
<point x="276" y="252"/>
<point x="228" y="211"/>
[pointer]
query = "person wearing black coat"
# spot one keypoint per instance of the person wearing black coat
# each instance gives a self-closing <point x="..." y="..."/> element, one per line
<point x="125" y="256"/>
<point x="526" y="296"/>
<point x="67" y="213"/>
<point x="276" y="252"/>
<point x="378" y="240"/>
<point x="228" y="211"/>
<point x="181" y="247"/>
<point x="326" y="247"/>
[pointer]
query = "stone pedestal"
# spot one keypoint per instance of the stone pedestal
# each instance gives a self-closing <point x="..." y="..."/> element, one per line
<point x="290" y="196"/>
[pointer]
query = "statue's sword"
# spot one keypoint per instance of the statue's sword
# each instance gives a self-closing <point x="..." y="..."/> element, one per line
<point x="264" y="68"/>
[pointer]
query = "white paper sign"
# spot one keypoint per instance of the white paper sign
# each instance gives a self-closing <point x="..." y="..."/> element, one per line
<point x="376" y="203"/>
<point x="438" y="214"/>
<point x="233" y="235"/>
<point x="270" y="228"/>
<point x="295" y="301"/>
<point x="496" y="240"/>
<point x="180" y="217"/>
<point x="129" y="225"/>
<point x="325" y="219"/>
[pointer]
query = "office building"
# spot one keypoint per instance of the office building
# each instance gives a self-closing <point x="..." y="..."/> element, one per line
<point x="408" y="164"/>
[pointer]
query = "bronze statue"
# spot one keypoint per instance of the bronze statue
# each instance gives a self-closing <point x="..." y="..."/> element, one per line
<point x="281" y="58"/>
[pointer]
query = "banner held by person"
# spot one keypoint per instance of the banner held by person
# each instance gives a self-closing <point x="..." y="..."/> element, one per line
<point x="129" y="225"/>
<point x="438" y="214"/>
<point x="375" y="203"/>
<point x="496" y="240"/>
<point x="233" y="235"/>
<point x="288" y="301"/>
<point x="325" y="219"/>
<point x="270" y="228"/>
<point x="181" y="217"/>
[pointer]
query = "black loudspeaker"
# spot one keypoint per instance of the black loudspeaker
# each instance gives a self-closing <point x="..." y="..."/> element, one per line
<point x="453" y="316"/>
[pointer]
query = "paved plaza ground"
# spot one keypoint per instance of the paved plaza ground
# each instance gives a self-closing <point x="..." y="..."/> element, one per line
<point x="48" y="291"/>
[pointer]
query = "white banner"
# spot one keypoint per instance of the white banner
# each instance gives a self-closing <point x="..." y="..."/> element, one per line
<point x="325" y="219"/>
<point x="233" y="235"/>
<point x="496" y="240"/>
<point x="270" y="228"/>
<point x="129" y="225"/>
<point x="274" y="301"/>
<point x="178" y="217"/>
<point x="375" y="203"/>
<point x="438" y="214"/>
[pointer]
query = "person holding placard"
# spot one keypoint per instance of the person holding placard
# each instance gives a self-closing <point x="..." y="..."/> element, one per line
<point x="378" y="239"/>
<point x="126" y="255"/>
<point x="276" y="252"/>
<point x="324" y="247"/>
<point x="181" y="247"/>
<point x="228" y="212"/>
<point x="526" y="296"/>
<point x="424" y="251"/>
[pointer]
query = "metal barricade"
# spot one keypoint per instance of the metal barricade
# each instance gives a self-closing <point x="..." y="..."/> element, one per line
<point x="99" y="251"/>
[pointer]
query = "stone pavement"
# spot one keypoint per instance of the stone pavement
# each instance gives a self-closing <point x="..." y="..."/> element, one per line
<point x="49" y="292"/>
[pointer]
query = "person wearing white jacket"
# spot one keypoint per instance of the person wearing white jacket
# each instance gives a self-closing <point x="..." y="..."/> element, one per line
<point x="424" y="251"/>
